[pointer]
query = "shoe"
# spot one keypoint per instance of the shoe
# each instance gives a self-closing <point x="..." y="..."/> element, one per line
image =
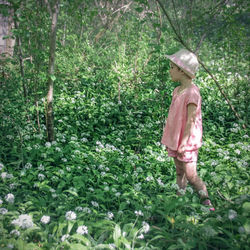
<point x="207" y="202"/>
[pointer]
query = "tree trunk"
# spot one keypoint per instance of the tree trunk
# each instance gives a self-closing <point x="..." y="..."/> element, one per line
<point x="49" y="109"/>
<point x="20" y="56"/>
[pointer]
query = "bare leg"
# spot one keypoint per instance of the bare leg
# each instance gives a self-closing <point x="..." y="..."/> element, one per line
<point x="194" y="179"/>
<point x="181" y="179"/>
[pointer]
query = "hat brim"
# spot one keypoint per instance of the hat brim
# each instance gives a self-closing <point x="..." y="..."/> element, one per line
<point x="171" y="58"/>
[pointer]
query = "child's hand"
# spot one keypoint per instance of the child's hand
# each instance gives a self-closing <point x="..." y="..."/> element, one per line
<point x="181" y="149"/>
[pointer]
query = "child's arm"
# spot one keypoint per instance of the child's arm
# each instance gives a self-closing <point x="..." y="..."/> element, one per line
<point x="189" y="126"/>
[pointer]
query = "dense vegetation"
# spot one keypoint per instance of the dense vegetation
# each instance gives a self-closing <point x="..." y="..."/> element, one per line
<point x="106" y="182"/>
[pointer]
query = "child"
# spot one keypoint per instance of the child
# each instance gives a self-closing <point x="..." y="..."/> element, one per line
<point x="182" y="134"/>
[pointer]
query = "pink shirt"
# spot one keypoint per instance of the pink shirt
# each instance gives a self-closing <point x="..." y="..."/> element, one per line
<point x="177" y="118"/>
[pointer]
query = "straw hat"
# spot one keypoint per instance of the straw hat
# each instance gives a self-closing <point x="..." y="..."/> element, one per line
<point x="186" y="60"/>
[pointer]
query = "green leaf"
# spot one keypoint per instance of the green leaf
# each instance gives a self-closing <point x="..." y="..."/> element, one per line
<point x="70" y="226"/>
<point x="71" y="192"/>
<point x="246" y="209"/>
<point x="78" y="247"/>
<point x="82" y="239"/>
<point x="139" y="9"/>
<point x="53" y="78"/>
<point x="117" y="234"/>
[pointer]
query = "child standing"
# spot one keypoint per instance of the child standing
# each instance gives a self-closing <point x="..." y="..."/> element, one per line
<point x="182" y="134"/>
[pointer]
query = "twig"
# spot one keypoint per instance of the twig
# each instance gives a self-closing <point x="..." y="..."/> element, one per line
<point x="123" y="7"/>
<point x="223" y="197"/>
<point x="157" y="228"/>
<point x="49" y="7"/>
<point x="180" y="39"/>
<point x="200" y="43"/>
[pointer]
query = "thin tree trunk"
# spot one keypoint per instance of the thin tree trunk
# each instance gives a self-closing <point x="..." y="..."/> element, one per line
<point x="49" y="108"/>
<point x="20" y="56"/>
<point x="160" y="20"/>
<point x="64" y="34"/>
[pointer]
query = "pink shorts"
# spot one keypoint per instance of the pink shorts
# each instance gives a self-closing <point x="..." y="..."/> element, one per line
<point x="188" y="156"/>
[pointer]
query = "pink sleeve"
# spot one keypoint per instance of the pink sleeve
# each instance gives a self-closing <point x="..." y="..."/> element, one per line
<point x="174" y="91"/>
<point x="193" y="97"/>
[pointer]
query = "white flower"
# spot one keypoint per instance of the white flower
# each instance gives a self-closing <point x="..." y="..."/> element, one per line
<point x="11" y="246"/>
<point x="146" y="227"/>
<point x="86" y="210"/>
<point x="190" y="190"/>
<point x="41" y="167"/>
<point x="45" y="219"/>
<point x="137" y="186"/>
<point x="237" y="151"/>
<point x="70" y="215"/>
<point x="232" y="214"/>
<point x="58" y="149"/>
<point x="4" y="175"/>
<point x="84" y="139"/>
<point x="175" y="186"/>
<point x="209" y="231"/>
<point x="139" y="169"/>
<point x="160" y="182"/>
<point x="149" y="178"/>
<point x="139" y="213"/>
<point x="61" y="171"/>
<point x="82" y="230"/>
<point x="26" y="137"/>
<point x="110" y="215"/>
<point x="117" y="194"/>
<point x="79" y="209"/>
<point x="41" y="177"/>
<point x="94" y="203"/>
<point x="28" y="165"/>
<point x="64" y="237"/>
<point x="10" y="198"/>
<point x="9" y="176"/>
<point x="141" y="236"/>
<point x="181" y="191"/>
<point x="106" y="188"/>
<point x="214" y="163"/>
<point x="3" y="210"/>
<point x="15" y="232"/>
<point x="23" y="221"/>
<point x="47" y="144"/>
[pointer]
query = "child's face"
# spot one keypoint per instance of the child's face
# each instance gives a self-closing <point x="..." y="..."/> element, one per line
<point x="175" y="72"/>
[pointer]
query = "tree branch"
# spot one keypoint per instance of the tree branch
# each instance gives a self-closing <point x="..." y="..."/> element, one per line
<point x="49" y="7"/>
<point x="180" y="39"/>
